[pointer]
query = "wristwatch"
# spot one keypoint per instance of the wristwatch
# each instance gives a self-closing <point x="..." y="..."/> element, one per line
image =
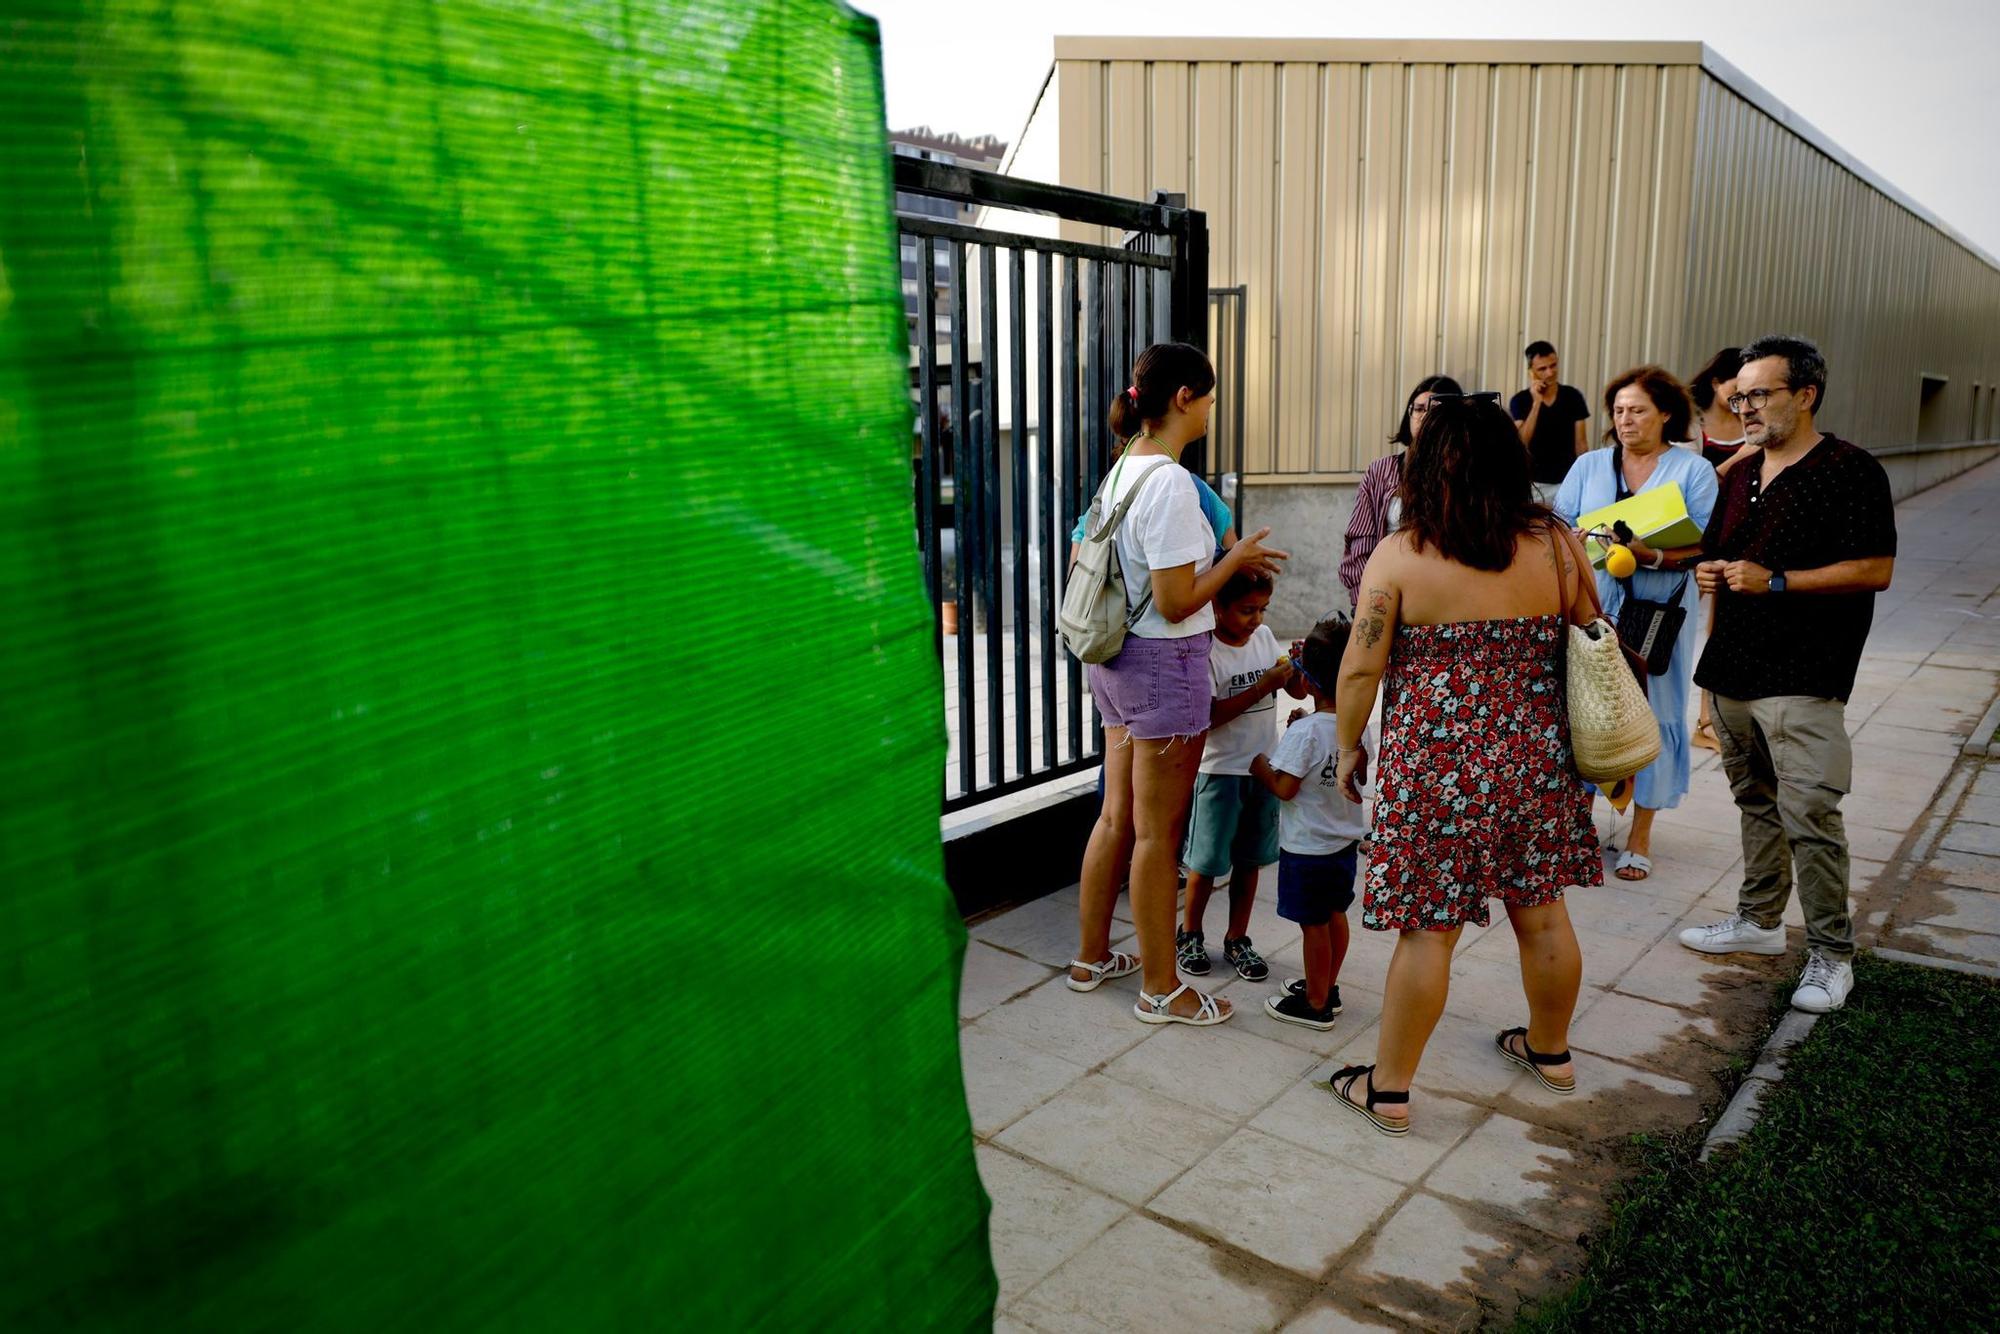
<point x="1777" y="581"/>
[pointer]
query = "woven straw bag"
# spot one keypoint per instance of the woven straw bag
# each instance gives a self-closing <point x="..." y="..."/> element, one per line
<point x="1612" y="731"/>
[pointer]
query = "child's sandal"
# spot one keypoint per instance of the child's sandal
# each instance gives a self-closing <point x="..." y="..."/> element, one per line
<point x="1341" y="1086"/>
<point x="1532" y="1061"/>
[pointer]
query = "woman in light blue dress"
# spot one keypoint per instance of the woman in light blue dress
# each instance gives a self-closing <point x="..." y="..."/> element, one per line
<point x="1649" y="408"/>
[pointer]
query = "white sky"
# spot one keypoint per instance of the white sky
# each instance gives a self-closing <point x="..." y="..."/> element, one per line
<point x="1909" y="87"/>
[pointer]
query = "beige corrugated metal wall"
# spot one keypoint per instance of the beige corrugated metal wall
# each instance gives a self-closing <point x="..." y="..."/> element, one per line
<point x="1392" y="219"/>
<point x="1786" y="239"/>
<point x="1398" y="208"/>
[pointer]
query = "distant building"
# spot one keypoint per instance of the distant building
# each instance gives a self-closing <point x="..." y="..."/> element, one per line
<point x="1392" y="209"/>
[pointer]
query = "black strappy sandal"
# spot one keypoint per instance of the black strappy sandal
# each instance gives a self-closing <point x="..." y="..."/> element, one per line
<point x="1532" y="1061"/>
<point x="1353" y="1075"/>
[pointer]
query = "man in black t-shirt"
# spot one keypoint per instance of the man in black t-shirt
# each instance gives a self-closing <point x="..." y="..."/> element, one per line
<point x="1801" y="540"/>
<point x="1552" y="418"/>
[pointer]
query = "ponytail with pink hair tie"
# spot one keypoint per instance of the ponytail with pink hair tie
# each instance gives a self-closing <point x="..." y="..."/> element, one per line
<point x="1132" y="392"/>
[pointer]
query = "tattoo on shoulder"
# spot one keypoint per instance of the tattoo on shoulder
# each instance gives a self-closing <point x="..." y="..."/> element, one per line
<point x="1370" y="631"/>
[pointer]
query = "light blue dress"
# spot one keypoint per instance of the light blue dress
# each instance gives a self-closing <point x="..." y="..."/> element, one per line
<point x="1590" y="485"/>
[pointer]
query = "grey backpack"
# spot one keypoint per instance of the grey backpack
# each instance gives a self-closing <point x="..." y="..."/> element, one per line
<point x="1096" y="611"/>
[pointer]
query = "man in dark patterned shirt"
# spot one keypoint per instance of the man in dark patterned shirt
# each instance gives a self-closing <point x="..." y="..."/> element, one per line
<point x="1801" y="540"/>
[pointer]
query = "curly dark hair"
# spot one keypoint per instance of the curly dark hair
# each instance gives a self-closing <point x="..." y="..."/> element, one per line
<point x="1667" y="394"/>
<point x="1468" y="492"/>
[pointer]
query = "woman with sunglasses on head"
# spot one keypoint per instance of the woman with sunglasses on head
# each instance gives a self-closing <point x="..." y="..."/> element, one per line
<point x="1462" y="627"/>
<point x="1649" y="409"/>
<point x="1155" y="693"/>
<point x="1376" y="508"/>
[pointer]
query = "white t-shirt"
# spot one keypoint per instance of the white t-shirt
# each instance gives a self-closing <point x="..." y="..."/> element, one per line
<point x="1231" y="671"/>
<point x="1320" y="819"/>
<point x="1164" y="528"/>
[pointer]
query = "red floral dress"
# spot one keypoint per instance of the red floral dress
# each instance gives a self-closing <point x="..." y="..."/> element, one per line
<point x="1476" y="793"/>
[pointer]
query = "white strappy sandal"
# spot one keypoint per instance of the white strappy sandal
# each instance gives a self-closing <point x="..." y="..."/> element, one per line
<point x="1153" y="1009"/>
<point x="1118" y="965"/>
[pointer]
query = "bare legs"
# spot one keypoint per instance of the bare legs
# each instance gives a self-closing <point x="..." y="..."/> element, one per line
<point x="1147" y="785"/>
<point x="1420" y="975"/>
<point x="1325" y="948"/>
<point x="1242" y="895"/>
<point x="1639" y="840"/>
<point x="1108" y="855"/>
<point x="1551" y="974"/>
<point x="1412" y="1000"/>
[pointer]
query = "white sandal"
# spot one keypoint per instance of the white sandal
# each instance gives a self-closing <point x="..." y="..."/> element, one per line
<point x="1153" y="1009"/>
<point x="1118" y="965"/>
<point x="1637" y="861"/>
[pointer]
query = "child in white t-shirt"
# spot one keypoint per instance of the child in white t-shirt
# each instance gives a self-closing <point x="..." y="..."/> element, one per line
<point x="1318" y="828"/>
<point x="1233" y="819"/>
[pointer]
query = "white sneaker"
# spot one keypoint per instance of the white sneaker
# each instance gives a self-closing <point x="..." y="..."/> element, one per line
<point x="1735" y="935"/>
<point x="1824" y="985"/>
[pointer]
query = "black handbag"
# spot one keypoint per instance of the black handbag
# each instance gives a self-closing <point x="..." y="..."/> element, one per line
<point x="1650" y="629"/>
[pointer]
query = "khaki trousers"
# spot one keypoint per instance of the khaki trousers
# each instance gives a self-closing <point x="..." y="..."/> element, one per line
<point x="1789" y="763"/>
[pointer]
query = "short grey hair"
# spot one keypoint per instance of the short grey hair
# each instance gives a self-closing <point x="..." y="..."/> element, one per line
<point x="1804" y="363"/>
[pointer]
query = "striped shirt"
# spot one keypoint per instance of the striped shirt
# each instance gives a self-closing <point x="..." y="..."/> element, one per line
<point x="1370" y="521"/>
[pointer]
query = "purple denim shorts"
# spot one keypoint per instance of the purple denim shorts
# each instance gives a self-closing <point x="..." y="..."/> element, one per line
<point x="1155" y="688"/>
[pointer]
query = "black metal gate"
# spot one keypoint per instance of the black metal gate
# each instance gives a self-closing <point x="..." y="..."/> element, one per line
<point x="1012" y="441"/>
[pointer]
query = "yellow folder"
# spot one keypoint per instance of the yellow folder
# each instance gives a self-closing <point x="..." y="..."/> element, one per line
<point x="1657" y="516"/>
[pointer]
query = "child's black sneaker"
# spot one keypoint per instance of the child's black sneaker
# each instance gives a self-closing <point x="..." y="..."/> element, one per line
<point x="1297" y="987"/>
<point x="1294" y="1008"/>
<point x="1249" y="964"/>
<point x="1190" y="953"/>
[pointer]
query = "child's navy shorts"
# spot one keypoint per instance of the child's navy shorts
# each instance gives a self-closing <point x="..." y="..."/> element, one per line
<point x="1312" y="888"/>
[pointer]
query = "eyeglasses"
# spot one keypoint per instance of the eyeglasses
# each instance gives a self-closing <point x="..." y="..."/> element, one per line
<point x="1756" y="398"/>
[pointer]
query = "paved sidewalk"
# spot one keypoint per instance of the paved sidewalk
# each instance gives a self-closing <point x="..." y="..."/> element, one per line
<point x="1172" y="1178"/>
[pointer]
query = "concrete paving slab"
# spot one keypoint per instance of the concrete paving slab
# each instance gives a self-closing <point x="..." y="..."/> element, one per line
<point x="1960" y="909"/>
<point x="1459" y="1060"/>
<point x="1325" y="1317"/>
<point x="1612" y="1101"/>
<point x="1286" y="1204"/>
<point x="1123" y="1141"/>
<point x="1966" y="946"/>
<point x="1980" y="810"/>
<point x="992" y="976"/>
<point x="1444" y="1265"/>
<point x="1646" y="1033"/>
<point x="1225" y="1069"/>
<point x="1964" y="836"/>
<point x="1964" y="868"/>
<point x="1039" y="1219"/>
<point x="1143" y="1275"/>
<point x="1087" y="1028"/>
<point x="1307" y="1115"/>
<point x="1045" y="931"/>
<point x="1005" y="1079"/>
<point x="1528" y="1173"/>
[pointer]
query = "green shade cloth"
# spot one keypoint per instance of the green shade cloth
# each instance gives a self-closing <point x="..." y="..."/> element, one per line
<point x="469" y="773"/>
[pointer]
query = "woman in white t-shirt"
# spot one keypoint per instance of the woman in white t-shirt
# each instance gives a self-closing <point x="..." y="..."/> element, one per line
<point x="1154" y="695"/>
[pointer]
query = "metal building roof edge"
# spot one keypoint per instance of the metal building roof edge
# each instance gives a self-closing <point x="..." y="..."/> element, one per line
<point x="1432" y="50"/>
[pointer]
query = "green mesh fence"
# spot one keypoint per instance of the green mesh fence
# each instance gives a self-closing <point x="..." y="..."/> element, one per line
<point x="469" y="781"/>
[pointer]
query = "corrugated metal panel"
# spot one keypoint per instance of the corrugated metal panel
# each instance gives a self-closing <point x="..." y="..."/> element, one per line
<point x="1785" y="239"/>
<point x="1399" y="209"/>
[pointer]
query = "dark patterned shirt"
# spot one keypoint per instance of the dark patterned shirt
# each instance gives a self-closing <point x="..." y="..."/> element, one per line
<point x="1832" y="505"/>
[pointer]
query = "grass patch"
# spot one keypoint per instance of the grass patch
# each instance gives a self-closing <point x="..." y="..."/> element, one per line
<point x="1868" y="1196"/>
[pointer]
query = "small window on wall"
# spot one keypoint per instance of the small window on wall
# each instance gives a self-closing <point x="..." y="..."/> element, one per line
<point x="1972" y="416"/>
<point x="1932" y="428"/>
